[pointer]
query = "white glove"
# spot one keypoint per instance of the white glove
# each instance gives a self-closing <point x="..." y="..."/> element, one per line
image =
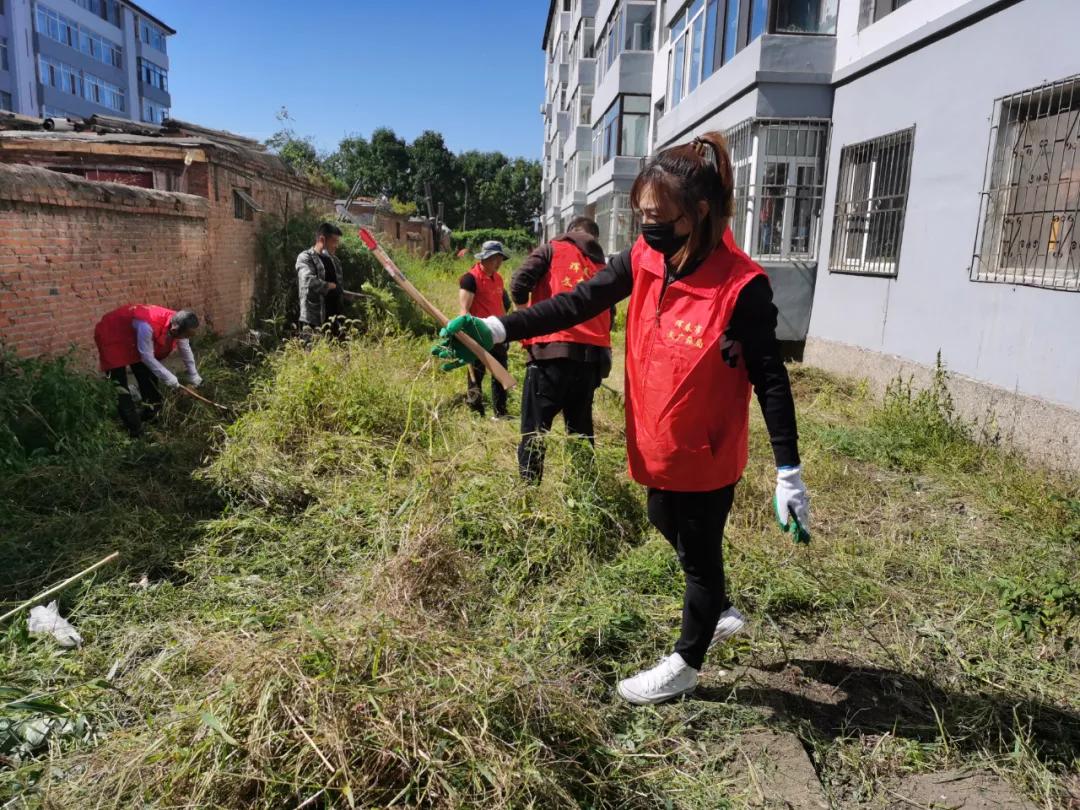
<point x="171" y="381"/>
<point x="792" y="501"/>
<point x="195" y="380"/>
<point x="498" y="331"/>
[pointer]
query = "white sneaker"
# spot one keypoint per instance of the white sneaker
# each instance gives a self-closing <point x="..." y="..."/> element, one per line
<point x="669" y="679"/>
<point x="731" y="622"/>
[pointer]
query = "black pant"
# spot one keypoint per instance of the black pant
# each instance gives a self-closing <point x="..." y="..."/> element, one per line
<point x="553" y="387"/>
<point x="693" y="522"/>
<point x="475" y="395"/>
<point x="148" y="390"/>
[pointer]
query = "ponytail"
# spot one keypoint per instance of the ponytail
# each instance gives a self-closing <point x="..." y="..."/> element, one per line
<point x="683" y="176"/>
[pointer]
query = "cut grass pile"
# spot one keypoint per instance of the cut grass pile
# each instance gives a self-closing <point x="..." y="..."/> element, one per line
<point x="352" y="601"/>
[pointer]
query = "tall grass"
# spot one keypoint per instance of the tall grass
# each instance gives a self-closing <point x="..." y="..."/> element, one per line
<point x="353" y="601"/>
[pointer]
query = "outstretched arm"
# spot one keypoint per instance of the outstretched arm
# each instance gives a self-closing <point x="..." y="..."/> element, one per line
<point x="587" y="300"/>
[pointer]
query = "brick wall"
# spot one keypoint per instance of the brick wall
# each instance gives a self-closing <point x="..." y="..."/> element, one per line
<point x="71" y="250"/>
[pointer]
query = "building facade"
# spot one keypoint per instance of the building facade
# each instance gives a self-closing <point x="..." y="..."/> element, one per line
<point x="77" y="58"/>
<point x="905" y="172"/>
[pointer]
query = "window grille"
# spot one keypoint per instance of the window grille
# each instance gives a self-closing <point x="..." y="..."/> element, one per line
<point x="871" y="203"/>
<point x="1031" y="198"/>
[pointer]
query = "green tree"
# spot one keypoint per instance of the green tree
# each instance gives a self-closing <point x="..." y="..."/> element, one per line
<point x="433" y="165"/>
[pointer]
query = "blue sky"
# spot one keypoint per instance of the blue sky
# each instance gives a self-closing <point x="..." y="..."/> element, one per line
<point x="473" y="71"/>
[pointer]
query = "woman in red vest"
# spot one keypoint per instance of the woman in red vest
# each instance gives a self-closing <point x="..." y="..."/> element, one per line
<point x="700" y="334"/>
<point x="482" y="294"/>
<point x="140" y="336"/>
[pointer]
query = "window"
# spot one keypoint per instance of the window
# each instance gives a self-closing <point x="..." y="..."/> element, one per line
<point x="151" y="74"/>
<point x="779" y="171"/>
<point x="630" y="28"/>
<point x="1031" y="201"/>
<point x="622" y="131"/>
<point x="59" y="28"/>
<point x="54" y="112"/>
<point x="152" y="35"/>
<point x="80" y="83"/>
<point x="5" y="102"/>
<point x="244" y="205"/>
<point x="703" y="38"/>
<point x="581" y="105"/>
<point x="616" y="221"/>
<point x="871" y="201"/>
<point x="584" y="45"/>
<point x="154" y="113"/>
<point x="106" y="9"/>
<point x="4" y="54"/>
<point x="759" y="13"/>
<point x="805" y="17"/>
<point x="870" y="11"/>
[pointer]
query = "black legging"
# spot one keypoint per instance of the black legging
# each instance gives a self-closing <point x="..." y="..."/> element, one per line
<point x="693" y="522"/>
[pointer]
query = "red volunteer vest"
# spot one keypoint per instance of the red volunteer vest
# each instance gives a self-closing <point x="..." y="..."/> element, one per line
<point x="687" y="411"/>
<point x="115" y="334"/>
<point x="570" y="267"/>
<point x="489" y="293"/>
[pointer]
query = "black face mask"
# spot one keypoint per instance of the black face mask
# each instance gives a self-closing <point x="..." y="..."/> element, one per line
<point x="661" y="236"/>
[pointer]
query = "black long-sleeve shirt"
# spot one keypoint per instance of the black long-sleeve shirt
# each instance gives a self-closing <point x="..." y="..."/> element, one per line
<point x="752" y="328"/>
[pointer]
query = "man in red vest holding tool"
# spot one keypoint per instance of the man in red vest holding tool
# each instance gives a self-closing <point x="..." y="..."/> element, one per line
<point x="482" y="294"/>
<point x="140" y="336"/>
<point x="565" y="368"/>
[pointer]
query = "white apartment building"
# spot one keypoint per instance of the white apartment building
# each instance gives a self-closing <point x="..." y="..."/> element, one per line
<point x="906" y="172"/>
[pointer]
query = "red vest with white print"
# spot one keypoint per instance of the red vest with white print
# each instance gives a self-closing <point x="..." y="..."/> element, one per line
<point x="687" y="410"/>
<point x="570" y="267"/>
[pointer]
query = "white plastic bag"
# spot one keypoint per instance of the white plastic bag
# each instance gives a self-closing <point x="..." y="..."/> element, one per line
<point x="47" y="619"/>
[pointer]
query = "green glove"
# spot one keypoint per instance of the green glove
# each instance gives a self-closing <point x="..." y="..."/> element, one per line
<point x="454" y="350"/>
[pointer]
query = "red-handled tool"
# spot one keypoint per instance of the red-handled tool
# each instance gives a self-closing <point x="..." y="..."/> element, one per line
<point x="492" y="365"/>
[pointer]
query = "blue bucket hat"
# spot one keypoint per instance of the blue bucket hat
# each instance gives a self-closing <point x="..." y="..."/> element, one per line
<point x="492" y="249"/>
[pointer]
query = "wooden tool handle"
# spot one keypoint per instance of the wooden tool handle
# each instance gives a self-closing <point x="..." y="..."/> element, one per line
<point x="490" y="363"/>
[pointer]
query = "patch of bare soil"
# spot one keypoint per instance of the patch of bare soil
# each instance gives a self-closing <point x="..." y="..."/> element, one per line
<point x="955" y="791"/>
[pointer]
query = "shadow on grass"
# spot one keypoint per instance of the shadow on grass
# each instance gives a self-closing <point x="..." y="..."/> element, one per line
<point x="840" y="700"/>
<point x="140" y="499"/>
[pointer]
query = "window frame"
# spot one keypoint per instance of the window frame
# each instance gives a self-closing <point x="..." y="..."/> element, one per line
<point x="1004" y="188"/>
<point x="872" y="11"/>
<point x="603" y="126"/>
<point x="846" y="210"/>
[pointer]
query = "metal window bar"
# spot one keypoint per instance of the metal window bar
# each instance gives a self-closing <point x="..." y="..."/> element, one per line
<point x="779" y="167"/>
<point x="1030" y="202"/>
<point x="871" y="204"/>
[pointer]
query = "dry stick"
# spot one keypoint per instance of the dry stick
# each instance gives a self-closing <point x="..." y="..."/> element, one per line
<point x="493" y="365"/>
<point x="58" y="588"/>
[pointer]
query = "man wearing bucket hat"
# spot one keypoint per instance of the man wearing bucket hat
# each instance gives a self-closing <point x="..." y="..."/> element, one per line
<point x="482" y="294"/>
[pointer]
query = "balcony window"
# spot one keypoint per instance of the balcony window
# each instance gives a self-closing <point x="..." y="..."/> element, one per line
<point x="623" y="131"/>
<point x="779" y="187"/>
<point x="805" y="17"/>
<point x="584" y="45"/>
<point x="3" y="54"/>
<point x="709" y="33"/>
<point x="759" y="15"/>
<point x="151" y="74"/>
<point x="6" y="103"/>
<point x="60" y="29"/>
<point x="629" y="29"/>
<point x="152" y="35"/>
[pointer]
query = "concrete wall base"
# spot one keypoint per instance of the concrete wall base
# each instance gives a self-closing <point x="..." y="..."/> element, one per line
<point x="1049" y="434"/>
